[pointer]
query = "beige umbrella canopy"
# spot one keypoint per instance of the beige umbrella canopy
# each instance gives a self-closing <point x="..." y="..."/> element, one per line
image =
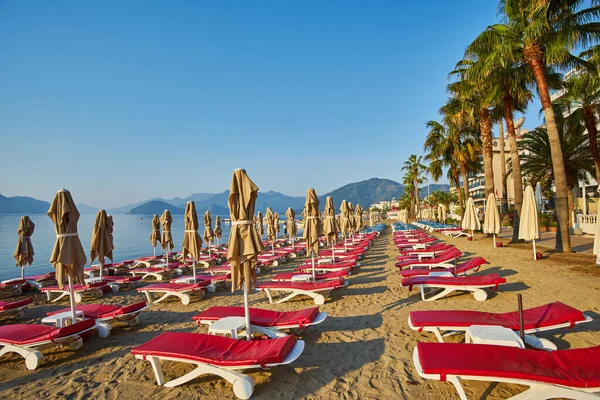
<point x="291" y="223"/>
<point x="344" y="220"/>
<point x="218" y="230"/>
<point x="270" y="225"/>
<point x="351" y="219"/>
<point x="155" y="235"/>
<point x="442" y="213"/>
<point x="209" y="234"/>
<point x="244" y="243"/>
<point x="260" y="224"/>
<point x="371" y="218"/>
<point x="101" y="245"/>
<point x="68" y="256"/>
<point x="276" y="224"/>
<point x="166" y="240"/>
<point x="470" y="220"/>
<point x="491" y="220"/>
<point x="24" y="251"/>
<point x="192" y="243"/>
<point x="358" y="218"/>
<point x="313" y="226"/>
<point x="330" y="225"/>
<point x="529" y="227"/>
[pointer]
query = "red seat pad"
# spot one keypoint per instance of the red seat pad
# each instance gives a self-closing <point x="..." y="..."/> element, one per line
<point x="472" y="264"/>
<point x="9" y="305"/>
<point x="49" y="275"/>
<point x="22" y="334"/>
<point x="472" y="280"/>
<point x="538" y="317"/>
<point x="12" y="283"/>
<point x="76" y="288"/>
<point x="443" y="257"/>
<point x="175" y="287"/>
<point x="121" y="279"/>
<point x="577" y="368"/>
<point x="339" y="264"/>
<point x="150" y="269"/>
<point x="287" y="276"/>
<point x="261" y="317"/>
<point x="333" y="284"/>
<point x="429" y="249"/>
<point x="95" y="311"/>
<point x="217" y="350"/>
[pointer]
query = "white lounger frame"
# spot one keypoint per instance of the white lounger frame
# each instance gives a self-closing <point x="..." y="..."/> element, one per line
<point x="31" y="351"/>
<point x="530" y="339"/>
<point x="163" y="275"/>
<point x="478" y="291"/>
<point x="184" y="296"/>
<point x="243" y="385"/>
<point x="536" y="391"/>
<point x="16" y="312"/>
<point x="455" y="234"/>
<point x="318" y="298"/>
<point x="321" y="316"/>
<point x="94" y="292"/>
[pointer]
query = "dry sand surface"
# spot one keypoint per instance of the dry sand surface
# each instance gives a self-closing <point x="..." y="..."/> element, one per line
<point x="362" y="351"/>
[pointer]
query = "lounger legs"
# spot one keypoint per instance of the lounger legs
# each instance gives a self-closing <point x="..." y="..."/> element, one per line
<point x="243" y="385"/>
<point x="480" y="294"/>
<point x="32" y="357"/>
<point x="184" y="297"/>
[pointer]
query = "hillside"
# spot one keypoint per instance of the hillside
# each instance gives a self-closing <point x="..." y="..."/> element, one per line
<point x="366" y="192"/>
<point x="155" y="207"/>
<point x="22" y="205"/>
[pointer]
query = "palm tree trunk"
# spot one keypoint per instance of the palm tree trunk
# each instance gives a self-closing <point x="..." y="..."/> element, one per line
<point x="485" y="128"/>
<point x="590" y="124"/>
<point x="534" y="58"/>
<point x="455" y="179"/>
<point x="516" y="167"/>
<point x="465" y="178"/>
<point x="503" y="167"/>
<point x="417" y="197"/>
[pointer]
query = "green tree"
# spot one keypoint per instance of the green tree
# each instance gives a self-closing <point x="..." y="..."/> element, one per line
<point x="416" y="171"/>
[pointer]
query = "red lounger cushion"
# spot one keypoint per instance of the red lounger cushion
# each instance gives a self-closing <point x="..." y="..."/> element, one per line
<point x="175" y="287"/>
<point x="22" y="334"/>
<point x="10" y="305"/>
<point x="444" y="257"/>
<point x="538" y="317"/>
<point x="341" y="264"/>
<point x="217" y="350"/>
<point x="103" y="310"/>
<point x="473" y="280"/>
<point x="334" y="283"/>
<point x="122" y="279"/>
<point x="472" y="264"/>
<point x="12" y="283"/>
<point x="261" y="317"/>
<point x="76" y="288"/>
<point x="287" y="276"/>
<point x="574" y="368"/>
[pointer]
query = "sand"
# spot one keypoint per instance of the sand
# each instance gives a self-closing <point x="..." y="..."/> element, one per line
<point x="362" y="351"/>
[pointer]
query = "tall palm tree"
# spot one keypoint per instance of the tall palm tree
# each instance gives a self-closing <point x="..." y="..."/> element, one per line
<point x="543" y="33"/>
<point x="581" y="99"/>
<point x="417" y="173"/>
<point x="537" y="163"/>
<point x="409" y="187"/>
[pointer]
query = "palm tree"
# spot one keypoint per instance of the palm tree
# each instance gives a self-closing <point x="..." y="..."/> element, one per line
<point x="537" y="162"/>
<point x="543" y="33"/>
<point x="581" y="99"/>
<point x="409" y="188"/>
<point x="417" y="173"/>
<point x="405" y="201"/>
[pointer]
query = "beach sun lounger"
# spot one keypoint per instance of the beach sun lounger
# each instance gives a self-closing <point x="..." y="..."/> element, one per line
<point x="11" y="287"/>
<point x="572" y="374"/>
<point x="109" y="313"/>
<point x="465" y="268"/>
<point x="444" y="259"/>
<point x="310" y="289"/>
<point x="92" y="290"/>
<point x="159" y="274"/>
<point x="218" y="355"/>
<point x="301" y="276"/>
<point x="278" y="320"/>
<point x="183" y="291"/>
<point x="216" y="282"/>
<point x="548" y="317"/>
<point x="42" y="280"/>
<point x="327" y="267"/>
<point x="27" y="339"/>
<point x="14" y="308"/>
<point x="435" y="287"/>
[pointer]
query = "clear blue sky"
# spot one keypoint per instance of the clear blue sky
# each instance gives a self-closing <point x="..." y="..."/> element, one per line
<point x="121" y="101"/>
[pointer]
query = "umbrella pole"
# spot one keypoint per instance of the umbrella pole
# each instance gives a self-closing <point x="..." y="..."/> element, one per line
<point x="22" y="272"/>
<point x="534" y="254"/>
<point x="332" y="252"/>
<point x="494" y="240"/>
<point x="521" y="326"/>
<point x="101" y="268"/>
<point x="247" y="310"/>
<point x="72" y="299"/>
<point x="313" y="266"/>
<point x="194" y="267"/>
<point x="154" y="251"/>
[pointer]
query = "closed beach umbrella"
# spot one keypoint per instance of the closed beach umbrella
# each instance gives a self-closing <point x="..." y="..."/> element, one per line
<point x="155" y="235"/>
<point x="270" y="227"/>
<point x="291" y="224"/>
<point x="68" y="256"/>
<point x="276" y="224"/>
<point x="24" y="251"/>
<point x="313" y="226"/>
<point x="101" y="245"/>
<point x="192" y="243"/>
<point x="442" y="213"/>
<point x="344" y="221"/>
<point x="529" y="227"/>
<point x="371" y="218"/>
<point x="166" y="240"/>
<point x="209" y="234"/>
<point x="351" y="219"/>
<point x="470" y="220"/>
<point x="358" y="219"/>
<point x="261" y="225"/>
<point x="218" y="230"/>
<point x="244" y="243"/>
<point x="330" y="225"/>
<point x="491" y="220"/>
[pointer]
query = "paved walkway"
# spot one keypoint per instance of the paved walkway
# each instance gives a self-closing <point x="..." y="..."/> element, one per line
<point x="580" y="243"/>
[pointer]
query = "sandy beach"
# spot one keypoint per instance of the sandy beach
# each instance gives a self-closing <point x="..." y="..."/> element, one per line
<point x="362" y="351"/>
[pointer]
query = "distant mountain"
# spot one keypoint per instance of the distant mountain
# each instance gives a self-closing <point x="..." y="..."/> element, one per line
<point x="216" y="209"/>
<point x="366" y="192"/>
<point x="155" y="207"/>
<point x="85" y="209"/>
<point x="22" y="205"/>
